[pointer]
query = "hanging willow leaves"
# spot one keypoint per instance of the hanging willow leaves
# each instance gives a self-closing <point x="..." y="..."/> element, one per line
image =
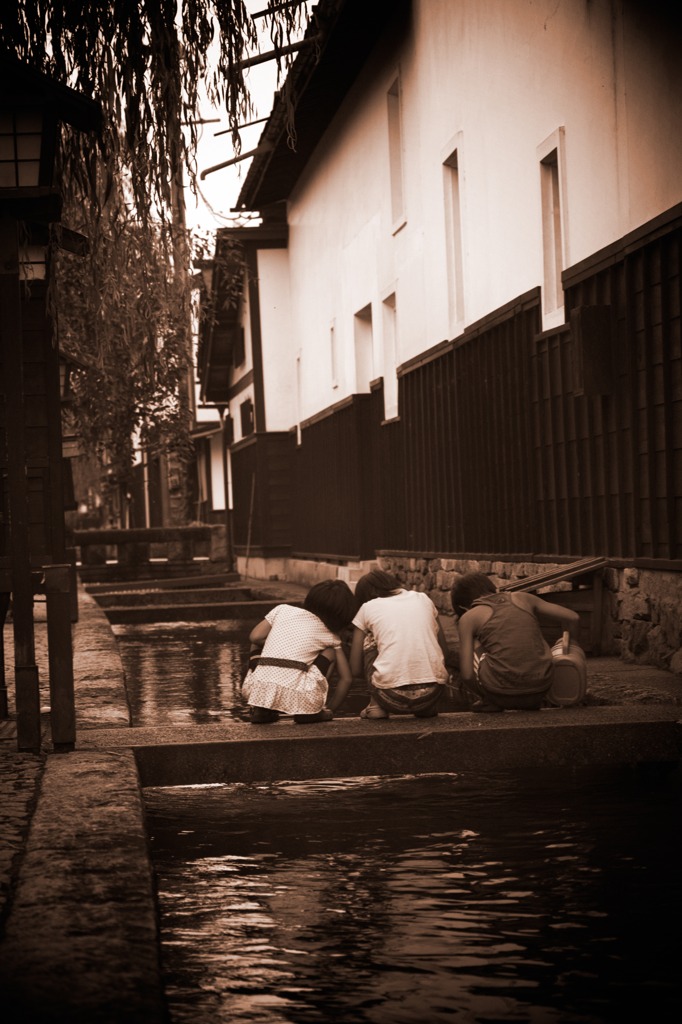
<point x="146" y="63"/>
<point x="124" y="310"/>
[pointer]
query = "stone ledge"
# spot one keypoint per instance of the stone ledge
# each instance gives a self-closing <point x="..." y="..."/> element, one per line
<point x="238" y="752"/>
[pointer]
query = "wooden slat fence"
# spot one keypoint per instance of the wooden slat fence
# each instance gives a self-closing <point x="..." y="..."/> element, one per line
<point x="262" y="482"/>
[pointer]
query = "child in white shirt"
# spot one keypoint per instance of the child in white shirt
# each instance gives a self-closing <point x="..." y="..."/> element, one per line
<point x="399" y="646"/>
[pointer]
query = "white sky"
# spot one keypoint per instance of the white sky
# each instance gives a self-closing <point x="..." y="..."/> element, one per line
<point x="220" y="189"/>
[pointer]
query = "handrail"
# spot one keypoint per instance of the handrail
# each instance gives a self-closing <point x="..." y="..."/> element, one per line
<point x="566" y="572"/>
<point x="142" y="534"/>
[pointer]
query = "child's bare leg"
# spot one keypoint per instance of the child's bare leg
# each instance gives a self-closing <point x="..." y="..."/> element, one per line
<point x="374" y="708"/>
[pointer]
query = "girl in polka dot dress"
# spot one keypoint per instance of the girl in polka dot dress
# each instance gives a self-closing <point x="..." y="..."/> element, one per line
<point x="293" y="653"/>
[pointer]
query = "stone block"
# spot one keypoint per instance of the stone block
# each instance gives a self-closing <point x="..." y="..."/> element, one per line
<point x="612" y="579"/>
<point x="637" y="639"/>
<point x="633" y="606"/>
<point x="444" y="580"/>
<point x="631" y="577"/>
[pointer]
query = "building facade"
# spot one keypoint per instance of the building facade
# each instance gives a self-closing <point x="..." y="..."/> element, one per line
<point x="461" y="308"/>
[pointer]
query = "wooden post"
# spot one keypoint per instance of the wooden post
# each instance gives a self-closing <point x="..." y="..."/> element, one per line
<point x="26" y="672"/>
<point x="224" y="437"/>
<point x="60" y="656"/>
<point x="4" y="605"/>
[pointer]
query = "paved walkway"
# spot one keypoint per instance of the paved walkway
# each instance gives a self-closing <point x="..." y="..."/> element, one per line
<point x="78" y="927"/>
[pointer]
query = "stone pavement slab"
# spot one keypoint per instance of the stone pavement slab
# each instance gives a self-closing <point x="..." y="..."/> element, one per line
<point x="81" y="941"/>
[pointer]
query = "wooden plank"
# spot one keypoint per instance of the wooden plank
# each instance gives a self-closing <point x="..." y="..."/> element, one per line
<point x="581" y="567"/>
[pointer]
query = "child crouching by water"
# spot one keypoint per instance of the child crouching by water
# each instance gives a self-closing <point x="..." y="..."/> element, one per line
<point x="504" y="660"/>
<point x="399" y="646"/>
<point x="293" y="651"/>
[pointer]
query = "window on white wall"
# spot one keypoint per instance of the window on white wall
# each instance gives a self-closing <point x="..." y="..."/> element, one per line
<point x="364" y="362"/>
<point x="390" y="357"/>
<point x="395" y="154"/>
<point x="299" y="397"/>
<point x="334" y="355"/>
<point x="554" y="248"/>
<point x="453" y="236"/>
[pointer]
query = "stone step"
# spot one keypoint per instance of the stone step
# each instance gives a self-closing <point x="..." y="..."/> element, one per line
<point x="200" y="595"/>
<point x="116" y="572"/>
<point x="196" y="580"/>
<point x="248" y="611"/>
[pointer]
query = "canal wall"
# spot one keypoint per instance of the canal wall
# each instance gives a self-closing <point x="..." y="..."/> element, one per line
<point x="641" y="613"/>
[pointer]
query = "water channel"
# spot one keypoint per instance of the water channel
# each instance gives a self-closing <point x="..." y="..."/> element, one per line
<point x="528" y="897"/>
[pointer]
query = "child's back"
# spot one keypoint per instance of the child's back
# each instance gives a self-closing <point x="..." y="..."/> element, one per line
<point x="503" y="656"/>
<point x="399" y="647"/>
<point x="293" y="652"/>
<point x="296" y="634"/>
<point x="517" y="657"/>
<point x="404" y="629"/>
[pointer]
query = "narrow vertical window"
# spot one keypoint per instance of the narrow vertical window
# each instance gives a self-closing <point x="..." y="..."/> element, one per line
<point x="246" y="417"/>
<point x="334" y="355"/>
<point x="395" y="154"/>
<point x="453" y="237"/>
<point x="390" y="358"/>
<point x="554" y="243"/>
<point x="364" y="359"/>
<point x="299" y="397"/>
<point x="551" y="231"/>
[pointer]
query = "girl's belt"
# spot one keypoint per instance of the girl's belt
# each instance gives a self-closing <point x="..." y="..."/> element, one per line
<point x="279" y="663"/>
<point x="321" y="662"/>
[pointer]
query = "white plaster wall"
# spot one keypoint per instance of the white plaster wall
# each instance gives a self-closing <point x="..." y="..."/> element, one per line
<point x="279" y="369"/>
<point x="500" y="76"/>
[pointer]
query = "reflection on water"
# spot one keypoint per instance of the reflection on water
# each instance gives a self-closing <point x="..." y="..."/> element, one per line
<point x="182" y="673"/>
<point x="424" y="899"/>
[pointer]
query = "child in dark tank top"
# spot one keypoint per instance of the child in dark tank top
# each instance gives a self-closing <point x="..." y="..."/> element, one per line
<point x="505" y="661"/>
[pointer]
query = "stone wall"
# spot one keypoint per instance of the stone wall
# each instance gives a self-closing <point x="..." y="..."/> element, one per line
<point x="643" y="608"/>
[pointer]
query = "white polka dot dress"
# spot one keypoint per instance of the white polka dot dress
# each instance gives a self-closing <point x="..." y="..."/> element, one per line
<point x="295" y="635"/>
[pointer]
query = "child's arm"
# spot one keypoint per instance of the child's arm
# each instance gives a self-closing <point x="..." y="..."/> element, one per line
<point x="566" y="618"/>
<point x="465" y="628"/>
<point x="344" y="682"/>
<point x="258" y="634"/>
<point x="468" y="627"/>
<point x="356" y="659"/>
<point x="443" y="644"/>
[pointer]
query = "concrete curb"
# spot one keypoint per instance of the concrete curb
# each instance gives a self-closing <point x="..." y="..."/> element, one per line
<point x="344" y="748"/>
<point x="81" y="943"/>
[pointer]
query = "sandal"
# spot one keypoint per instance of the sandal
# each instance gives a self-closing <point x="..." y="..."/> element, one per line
<point x="325" y="715"/>
<point x="482" y="707"/>
<point x="373" y="711"/>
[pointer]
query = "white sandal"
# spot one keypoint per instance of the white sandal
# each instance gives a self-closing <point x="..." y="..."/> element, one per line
<point x="373" y="711"/>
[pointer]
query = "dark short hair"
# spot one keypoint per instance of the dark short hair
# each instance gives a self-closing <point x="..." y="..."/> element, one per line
<point x="333" y="602"/>
<point x="375" y="584"/>
<point x="469" y="587"/>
